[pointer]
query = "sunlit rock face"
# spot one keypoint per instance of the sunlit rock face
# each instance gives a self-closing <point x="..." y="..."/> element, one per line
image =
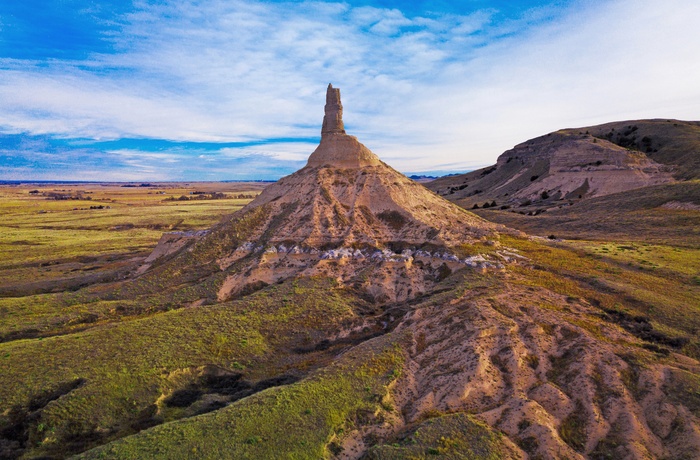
<point x="333" y="119"/>
<point x="337" y="148"/>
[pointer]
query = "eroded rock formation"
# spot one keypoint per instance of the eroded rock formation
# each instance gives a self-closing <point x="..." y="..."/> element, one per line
<point x="338" y="149"/>
<point x="333" y="119"/>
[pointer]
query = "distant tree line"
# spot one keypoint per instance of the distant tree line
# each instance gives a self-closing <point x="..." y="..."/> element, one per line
<point x="61" y="195"/>
<point x="209" y="196"/>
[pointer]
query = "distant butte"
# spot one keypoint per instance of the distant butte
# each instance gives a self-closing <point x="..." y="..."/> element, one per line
<point x="337" y="148"/>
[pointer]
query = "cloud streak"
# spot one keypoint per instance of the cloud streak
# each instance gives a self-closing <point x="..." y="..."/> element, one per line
<point x="428" y="92"/>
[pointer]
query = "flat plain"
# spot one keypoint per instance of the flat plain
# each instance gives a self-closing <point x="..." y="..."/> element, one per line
<point x="57" y="238"/>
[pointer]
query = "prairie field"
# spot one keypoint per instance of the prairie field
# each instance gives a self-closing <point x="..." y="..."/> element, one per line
<point x="51" y="248"/>
<point x="93" y="228"/>
<point x="64" y="333"/>
<point x="91" y="354"/>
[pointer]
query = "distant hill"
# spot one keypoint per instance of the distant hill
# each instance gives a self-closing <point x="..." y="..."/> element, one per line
<point x="568" y="165"/>
<point x="669" y="142"/>
<point x="421" y="178"/>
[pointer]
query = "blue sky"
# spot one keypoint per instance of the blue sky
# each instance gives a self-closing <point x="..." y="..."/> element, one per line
<point x="222" y="90"/>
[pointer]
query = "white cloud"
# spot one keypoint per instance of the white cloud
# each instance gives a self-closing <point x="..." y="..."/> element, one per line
<point x="283" y="151"/>
<point x="423" y="92"/>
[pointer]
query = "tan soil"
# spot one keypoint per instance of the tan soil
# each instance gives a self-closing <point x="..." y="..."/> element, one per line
<point x="370" y="205"/>
<point x="527" y="369"/>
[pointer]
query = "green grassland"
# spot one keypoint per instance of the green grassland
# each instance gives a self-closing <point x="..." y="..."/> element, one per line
<point x="95" y="362"/>
<point x="50" y="249"/>
<point x="37" y="233"/>
<point x="453" y="436"/>
<point x="668" y="261"/>
<point x="665" y="292"/>
<point x="126" y="367"/>
<point x="297" y="421"/>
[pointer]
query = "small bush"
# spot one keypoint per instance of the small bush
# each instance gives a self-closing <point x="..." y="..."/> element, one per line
<point x="573" y="429"/>
<point x="393" y="219"/>
<point x="488" y="171"/>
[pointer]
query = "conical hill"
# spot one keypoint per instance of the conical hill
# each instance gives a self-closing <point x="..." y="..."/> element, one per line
<point x="345" y="206"/>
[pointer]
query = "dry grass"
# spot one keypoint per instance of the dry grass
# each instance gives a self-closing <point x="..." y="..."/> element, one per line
<point x="630" y="216"/>
<point x="43" y="239"/>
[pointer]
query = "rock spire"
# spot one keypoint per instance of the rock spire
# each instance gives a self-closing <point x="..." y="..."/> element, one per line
<point x="333" y="119"/>
<point x="338" y="149"/>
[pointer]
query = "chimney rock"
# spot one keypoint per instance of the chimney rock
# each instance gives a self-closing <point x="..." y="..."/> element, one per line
<point x="333" y="119"/>
<point x="338" y="149"/>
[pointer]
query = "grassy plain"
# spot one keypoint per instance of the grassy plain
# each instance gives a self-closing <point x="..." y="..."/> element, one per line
<point x="50" y="249"/>
<point x="43" y="238"/>
<point x="86" y="359"/>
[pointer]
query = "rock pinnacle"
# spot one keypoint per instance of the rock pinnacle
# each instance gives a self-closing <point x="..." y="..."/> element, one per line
<point x="338" y="149"/>
<point x="333" y="119"/>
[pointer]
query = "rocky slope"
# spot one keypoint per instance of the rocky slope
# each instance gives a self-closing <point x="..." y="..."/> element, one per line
<point x="573" y="164"/>
<point x="673" y="143"/>
<point x="346" y="196"/>
<point x="345" y="211"/>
